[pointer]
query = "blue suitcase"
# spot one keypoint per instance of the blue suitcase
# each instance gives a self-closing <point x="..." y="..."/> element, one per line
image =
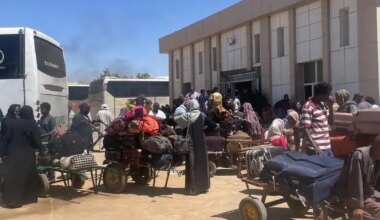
<point x="312" y="177"/>
<point x="275" y="166"/>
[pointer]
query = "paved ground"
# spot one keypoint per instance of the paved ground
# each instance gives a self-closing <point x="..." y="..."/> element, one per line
<point x="137" y="202"/>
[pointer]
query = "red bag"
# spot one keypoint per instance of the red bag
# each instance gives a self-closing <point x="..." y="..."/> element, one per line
<point x="136" y="112"/>
<point x="149" y="125"/>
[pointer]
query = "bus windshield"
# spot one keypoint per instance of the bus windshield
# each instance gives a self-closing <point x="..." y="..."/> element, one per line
<point x="49" y="58"/>
<point x="78" y="93"/>
<point x="136" y="88"/>
<point x="11" y="56"/>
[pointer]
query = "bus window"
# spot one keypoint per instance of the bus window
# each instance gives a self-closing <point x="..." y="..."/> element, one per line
<point x="78" y="93"/>
<point x="136" y="88"/>
<point x="158" y="88"/>
<point x="11" y="61"/>
<point x="49" y="58"/>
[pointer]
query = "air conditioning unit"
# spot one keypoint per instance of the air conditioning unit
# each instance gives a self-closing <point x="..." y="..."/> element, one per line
<point x="231" y="41"/>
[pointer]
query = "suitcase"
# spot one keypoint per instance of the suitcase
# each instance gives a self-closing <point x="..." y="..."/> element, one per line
<point x="312" y="177"/>
<point x="256" y="158"/>
<point x="344" y="121"/>
<point x="274" y="166"/>
<point x="368" y="121"/>
<point x="215" y="143"/>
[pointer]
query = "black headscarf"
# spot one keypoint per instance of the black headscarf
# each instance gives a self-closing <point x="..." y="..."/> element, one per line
<point x="26" y="112"/>
<point x="84" y="108"/>
<point x="12" y="109"/>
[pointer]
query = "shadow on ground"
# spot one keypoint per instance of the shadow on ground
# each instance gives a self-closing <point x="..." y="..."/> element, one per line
<point x="273" y="214"/>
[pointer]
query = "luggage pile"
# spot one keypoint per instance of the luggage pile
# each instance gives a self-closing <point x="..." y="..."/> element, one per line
<point x="138" y="135"/>
<point x="309" y="179"/>
<point x="353" y="131"/>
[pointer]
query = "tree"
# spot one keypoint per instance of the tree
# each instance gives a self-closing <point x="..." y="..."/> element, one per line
<point x="143" y="76"/>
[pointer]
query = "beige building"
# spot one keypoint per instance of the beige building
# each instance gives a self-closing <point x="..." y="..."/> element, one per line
<point x="279" y="47"/>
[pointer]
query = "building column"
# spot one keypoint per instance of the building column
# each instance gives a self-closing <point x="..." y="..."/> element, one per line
<point x="207" y="63"/>
<point x="326" y="40"/>
<point x="292" y="53"/>
<point x="368" y="27"/>
<point x="249" y="46"/>
<point x="171" y="78"/>
<point x="266" y="59"/>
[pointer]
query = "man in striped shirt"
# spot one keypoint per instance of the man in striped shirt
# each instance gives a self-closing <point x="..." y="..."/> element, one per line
<point x="317" y="114"/>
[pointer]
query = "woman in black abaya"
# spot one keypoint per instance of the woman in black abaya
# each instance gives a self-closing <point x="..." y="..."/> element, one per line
<point x="21" y="140"/>
<point x="197" y="172"/>
<point x="13" y="113"/>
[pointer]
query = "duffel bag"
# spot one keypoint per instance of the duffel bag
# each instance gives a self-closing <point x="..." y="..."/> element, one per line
<point x="256" y="158"/>
<point x="149" y="125"/>
<point x="82" y="162"/>
<point x="161" y="161"/>
<point x="118" y="125"/>
<point x="181" y="145"/>
<point x="156" y="144"/>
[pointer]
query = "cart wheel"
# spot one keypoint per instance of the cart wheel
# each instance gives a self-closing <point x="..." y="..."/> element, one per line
<point x="77" y="181"/>
<point x="297" y="207"/>
<point x="115" y="179"/>
<point x="143" y="176"/>
<point x="43" y="185"/>
<point x="212" y="168"/>
<point x="252" y="209"/>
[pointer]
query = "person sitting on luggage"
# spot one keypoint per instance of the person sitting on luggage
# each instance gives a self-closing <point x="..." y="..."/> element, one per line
<point x="292" y="130"/>
<point x="346" y="105"/>
<point x="275" y="134"/>
<point x="252" y="122"/>
<point x="359" y="183"/>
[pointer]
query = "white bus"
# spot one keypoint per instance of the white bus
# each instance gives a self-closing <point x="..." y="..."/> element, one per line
<point x="78" y="93"/>
<point x="32" y="71"/>
<point x="115" y="92"/>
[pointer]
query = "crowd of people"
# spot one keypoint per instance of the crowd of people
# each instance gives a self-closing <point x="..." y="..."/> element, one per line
<point x="295" y="126"/>
<point x="299" y="126"/>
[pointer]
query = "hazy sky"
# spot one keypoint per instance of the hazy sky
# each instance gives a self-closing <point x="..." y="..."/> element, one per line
<point x="119" y="35"/>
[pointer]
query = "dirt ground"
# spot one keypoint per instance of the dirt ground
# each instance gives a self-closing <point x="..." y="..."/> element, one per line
<point x="137" y="202"/>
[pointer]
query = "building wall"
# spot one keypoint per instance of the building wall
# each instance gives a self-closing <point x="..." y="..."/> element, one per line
<point x="177" y="81"/>
<point x="199" y="47"/>
<point x="309" y="32"/>
<point x="344" y="60"/>
<point x="280" y="64"/>
<point x="187" y="75"/>
<point x="234" y="55"/>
